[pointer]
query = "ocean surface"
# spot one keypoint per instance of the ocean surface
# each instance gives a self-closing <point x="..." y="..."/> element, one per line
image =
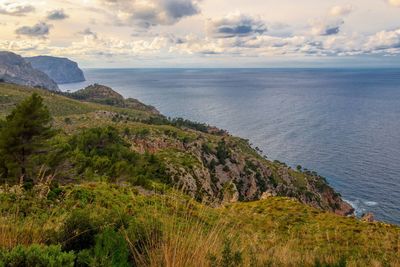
<point x="344" y="124"/>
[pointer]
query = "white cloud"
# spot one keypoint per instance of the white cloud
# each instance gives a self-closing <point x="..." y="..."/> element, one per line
<point x="15" y="8"/>
<point x="384" y="40"/>
<point x="338" y="11"/>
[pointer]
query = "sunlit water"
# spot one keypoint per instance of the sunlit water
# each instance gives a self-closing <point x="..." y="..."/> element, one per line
<point x="345" y="124"/>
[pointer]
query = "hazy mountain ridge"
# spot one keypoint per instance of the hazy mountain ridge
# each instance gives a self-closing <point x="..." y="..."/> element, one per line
<point x="61" y="70"/>
<point x="14" y="69"/>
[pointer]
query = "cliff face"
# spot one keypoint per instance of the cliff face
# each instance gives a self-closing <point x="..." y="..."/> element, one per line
<point x="14" y="69"/>
<point x="61" y="70"/>
<point x="226" y="169"/>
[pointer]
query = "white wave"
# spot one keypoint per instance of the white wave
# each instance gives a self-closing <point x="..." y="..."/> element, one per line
<point x="370" y="203"/>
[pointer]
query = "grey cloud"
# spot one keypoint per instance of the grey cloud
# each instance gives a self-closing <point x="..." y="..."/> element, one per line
<point x="326" y="29"/>
<point x="40" y="29"/>
<point x="152" y="12"/>
<point x="88" y="32"/>
<point x="16" y="9"/>
<point x="236" y="25"/>
<point x="332" y="30"/>
<point x="57" y="14"/>
<point x="179" y="9"/>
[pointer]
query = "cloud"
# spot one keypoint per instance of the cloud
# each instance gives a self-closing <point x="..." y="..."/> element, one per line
<point x="147" y="13"/>
<point x="40" y="29"/>
<point x="25" y="46"/>
<point x="339" y="11"/>
<point x="16" y="8"/>
<point x="235" y="25"/>
<point x="384" y="40"/>
<point x="88" y="32"/>
<point x="323" y="28"/>
<point x="57" y="14"/>
<point x="394" y="2"/>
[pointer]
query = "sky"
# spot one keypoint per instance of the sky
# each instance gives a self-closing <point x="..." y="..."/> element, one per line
<point x="205" y="33"/>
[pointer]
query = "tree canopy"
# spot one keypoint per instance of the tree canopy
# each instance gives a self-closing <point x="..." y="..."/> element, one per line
<point x="22" y="134"/>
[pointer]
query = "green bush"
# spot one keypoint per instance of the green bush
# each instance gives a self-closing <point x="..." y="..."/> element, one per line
<point x="110" y="249"/>
<point x="228" y="258"/>
<point x="102" y="152"/>
<point x="79" y="231"/>
<point x="37" y="256"/>
<point x="222" y="152"/>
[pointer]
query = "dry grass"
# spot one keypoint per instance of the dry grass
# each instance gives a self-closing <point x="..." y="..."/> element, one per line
<point x="13" y="232"/>
<point x="177" y="231"/>
<point x="181" y="239"/>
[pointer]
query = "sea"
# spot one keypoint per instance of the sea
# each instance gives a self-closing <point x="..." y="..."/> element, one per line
<point x="342" y="123"/>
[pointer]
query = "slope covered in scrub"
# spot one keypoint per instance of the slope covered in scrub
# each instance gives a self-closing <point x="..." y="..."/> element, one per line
<point x="117" y="185"/>
<point x="207" y="163"/>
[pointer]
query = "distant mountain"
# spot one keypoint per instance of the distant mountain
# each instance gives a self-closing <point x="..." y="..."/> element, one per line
<point x="61" y="70"/>
<point x="14" y="69"/>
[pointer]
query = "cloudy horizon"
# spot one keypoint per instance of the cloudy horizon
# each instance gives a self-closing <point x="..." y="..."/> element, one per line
<point x="205" y="33"/>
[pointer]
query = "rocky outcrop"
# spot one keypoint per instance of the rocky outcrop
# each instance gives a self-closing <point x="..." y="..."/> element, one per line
<point x="105" y="95"/>
<point x="225" y="172"/>
<point x="14" y="69"/>
<point x="61" y="70"/>
<point x="368" y="217"/>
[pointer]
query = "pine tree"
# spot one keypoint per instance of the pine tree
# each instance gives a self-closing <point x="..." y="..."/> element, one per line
<point x="23" y="133"/>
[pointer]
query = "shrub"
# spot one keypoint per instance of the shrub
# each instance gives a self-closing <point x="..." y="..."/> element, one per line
<point x="228" y="258"/>
<point x="111" y="249"/>
<point x="102" y="152"/>
<point x="78" y="231"/>
<point x="37" y="255"/>
<point x="222" y="152"/>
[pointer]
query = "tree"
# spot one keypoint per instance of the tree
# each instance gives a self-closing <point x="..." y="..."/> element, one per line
<point x="23" y="133"/>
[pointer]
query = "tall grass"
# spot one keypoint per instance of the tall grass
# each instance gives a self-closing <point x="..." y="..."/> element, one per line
<point x="184" y="237"/>
<point x="170" y="229"/>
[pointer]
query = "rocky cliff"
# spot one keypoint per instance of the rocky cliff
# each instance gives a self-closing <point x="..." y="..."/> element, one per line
<point x="14" y="69"/>
<point x="61" y="70"/>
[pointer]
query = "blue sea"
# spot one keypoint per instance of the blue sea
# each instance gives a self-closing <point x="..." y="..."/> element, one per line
<point x="344" y="124"/>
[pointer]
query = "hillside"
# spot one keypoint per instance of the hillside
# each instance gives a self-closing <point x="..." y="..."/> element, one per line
<point x="14" y="69"/>
<point x="124" y="186"/>
<point x="61" y="70"/>
<point x="105" y="95"/>
<point x="214" y="168"/>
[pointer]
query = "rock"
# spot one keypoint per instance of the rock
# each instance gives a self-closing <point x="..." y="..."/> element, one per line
<point x="268" y="194"/>
<point x="14" y="69"/>
<point x="368" y="217"/>
<point x="61" y="70"/>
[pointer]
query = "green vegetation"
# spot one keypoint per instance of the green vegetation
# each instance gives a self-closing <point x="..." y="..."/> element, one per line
<point x="101" y="224"/>
<point x="22" y="134"/>
<point x="107" y="190"/>
<point x="102" y="152"/>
